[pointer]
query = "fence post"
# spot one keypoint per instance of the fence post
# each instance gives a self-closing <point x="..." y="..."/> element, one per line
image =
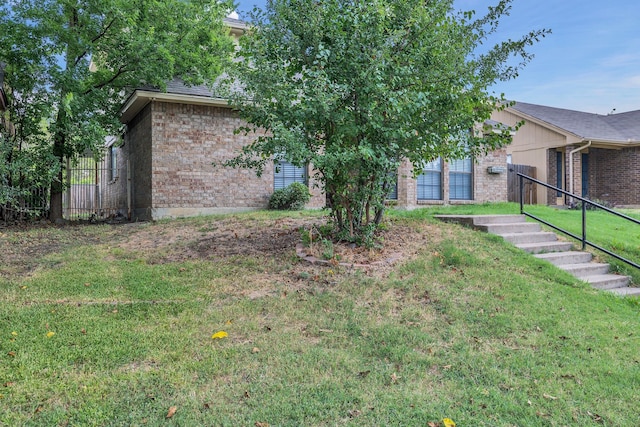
<point x="521" y="184"/>
<point x="67" y="191"/>
<point x="584" y="225"/>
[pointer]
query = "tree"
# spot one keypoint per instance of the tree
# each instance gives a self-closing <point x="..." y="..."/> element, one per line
<point x="355" y="87"/>
<point x="72" y="63"/>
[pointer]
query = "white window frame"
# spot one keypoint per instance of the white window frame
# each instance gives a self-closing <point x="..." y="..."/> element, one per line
<point x="461" y="179"/>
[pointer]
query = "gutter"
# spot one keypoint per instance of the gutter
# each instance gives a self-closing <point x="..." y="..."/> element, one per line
<point x="571" y="153"/>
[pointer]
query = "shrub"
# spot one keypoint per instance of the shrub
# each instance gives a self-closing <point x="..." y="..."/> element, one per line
<point x="292" y="197"/>
<point x="590" y="207"/>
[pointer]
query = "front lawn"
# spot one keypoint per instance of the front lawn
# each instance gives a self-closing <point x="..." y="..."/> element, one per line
<point x="113" y="325"/>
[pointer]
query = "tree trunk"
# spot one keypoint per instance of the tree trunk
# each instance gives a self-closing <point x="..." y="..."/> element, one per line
<point x="55" y="200"/>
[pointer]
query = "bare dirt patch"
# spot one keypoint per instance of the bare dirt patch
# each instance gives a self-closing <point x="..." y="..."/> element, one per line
<point x="174" y="241"/>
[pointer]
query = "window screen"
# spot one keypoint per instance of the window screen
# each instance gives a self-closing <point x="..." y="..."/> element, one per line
<point x="429" y="186"/>
<point x="461" y="179"/>
<point x="286" y="174"/>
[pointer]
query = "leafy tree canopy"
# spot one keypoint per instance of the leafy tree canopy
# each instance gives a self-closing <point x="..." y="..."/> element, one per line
<point x="355" y="87"/>
<point x="70" y="64"/>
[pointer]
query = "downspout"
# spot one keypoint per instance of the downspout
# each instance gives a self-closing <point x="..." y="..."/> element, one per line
<point x="571" y="153"/>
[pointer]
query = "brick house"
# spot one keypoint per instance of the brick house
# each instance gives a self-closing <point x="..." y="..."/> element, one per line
<point x="591" y="155"/>
<point x="162" y="167"/>
<point x="173" y="138"/>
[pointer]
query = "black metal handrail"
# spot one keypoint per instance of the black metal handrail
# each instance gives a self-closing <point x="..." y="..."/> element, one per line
<point x="583" y="238"/>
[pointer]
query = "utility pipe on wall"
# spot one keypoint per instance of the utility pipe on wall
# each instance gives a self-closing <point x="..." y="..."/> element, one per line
<point x="571" y="153"/>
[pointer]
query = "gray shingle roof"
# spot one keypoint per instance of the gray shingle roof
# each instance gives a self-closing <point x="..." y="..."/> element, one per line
<point x="179" y="87"/>
<point x="622" y="127"/>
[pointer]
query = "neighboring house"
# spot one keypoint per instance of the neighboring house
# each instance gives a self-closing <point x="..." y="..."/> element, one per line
<point x="591" y="155"/>
<point x="163" y="166"/>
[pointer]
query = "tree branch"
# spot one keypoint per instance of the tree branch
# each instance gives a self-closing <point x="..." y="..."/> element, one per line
<point x="93" y="40"/>
<point x="118" y="73"/>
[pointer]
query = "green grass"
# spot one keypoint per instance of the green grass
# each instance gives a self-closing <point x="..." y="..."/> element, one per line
<point x="604" y="229"/>
<point x="471" y="329"/>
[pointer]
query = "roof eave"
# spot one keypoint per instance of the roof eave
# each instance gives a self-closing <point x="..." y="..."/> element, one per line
<point x="140" y="98"/>
<point x="613" y="145"/>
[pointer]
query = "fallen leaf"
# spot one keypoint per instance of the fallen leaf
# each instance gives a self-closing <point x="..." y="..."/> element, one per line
<point x="548" y="396"/>
<point x="597" y="418"/>
<point x="259" y="424"/>
<point x="172" y="411"/>
<point x="219" y="335"/>
<point x="394" y="378"/>
<point x="50" y="334"/>
<point x="87" y="284"/>
<point x="448" y="422"/>
<point x="255" y="350"/>
<point x="14" y="333"/>
<point x="12" y="353"/>
<point x="84" y="331"/>
<point x="432" y="424"/>
<point x="354" y="413"/>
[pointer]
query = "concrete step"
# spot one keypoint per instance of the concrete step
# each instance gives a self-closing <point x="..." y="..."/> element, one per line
<point x="536" y="248"/>
<point x="585" y="270"/>
<point x="544" y="245"/>
<point x="562" y="258"/>
<point x="516" y="227"/>
<point x="498" y="219"/>
<point x="607" y="281"/>
<point x="473" y="220"/>
<point x="541" y="236"/>
<point x="626" y="291"/>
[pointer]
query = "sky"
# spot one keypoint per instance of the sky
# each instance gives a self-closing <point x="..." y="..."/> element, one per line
<point x="590" y="62"/>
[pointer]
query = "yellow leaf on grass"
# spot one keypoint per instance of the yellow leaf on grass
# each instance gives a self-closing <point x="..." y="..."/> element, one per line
<point x="172" y="411"/>
<point x="14" y="333"/>
<point x="219" y="334"/>
<point x="50" y="334"/>
<point x="448" y="422"/>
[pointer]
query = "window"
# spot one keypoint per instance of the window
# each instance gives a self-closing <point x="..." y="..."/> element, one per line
<point x="393" y="191"/>
<point x="286" y="174"/>
<point x="461" y="179"/>
<point x="113" y="163"/>
<point x="430" y="181"/>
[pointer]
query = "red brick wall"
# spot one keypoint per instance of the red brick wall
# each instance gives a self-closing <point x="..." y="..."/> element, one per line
<point x="172" y="147"/>
<point x="614" y="175"/>
<point x="486" y="187"/>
